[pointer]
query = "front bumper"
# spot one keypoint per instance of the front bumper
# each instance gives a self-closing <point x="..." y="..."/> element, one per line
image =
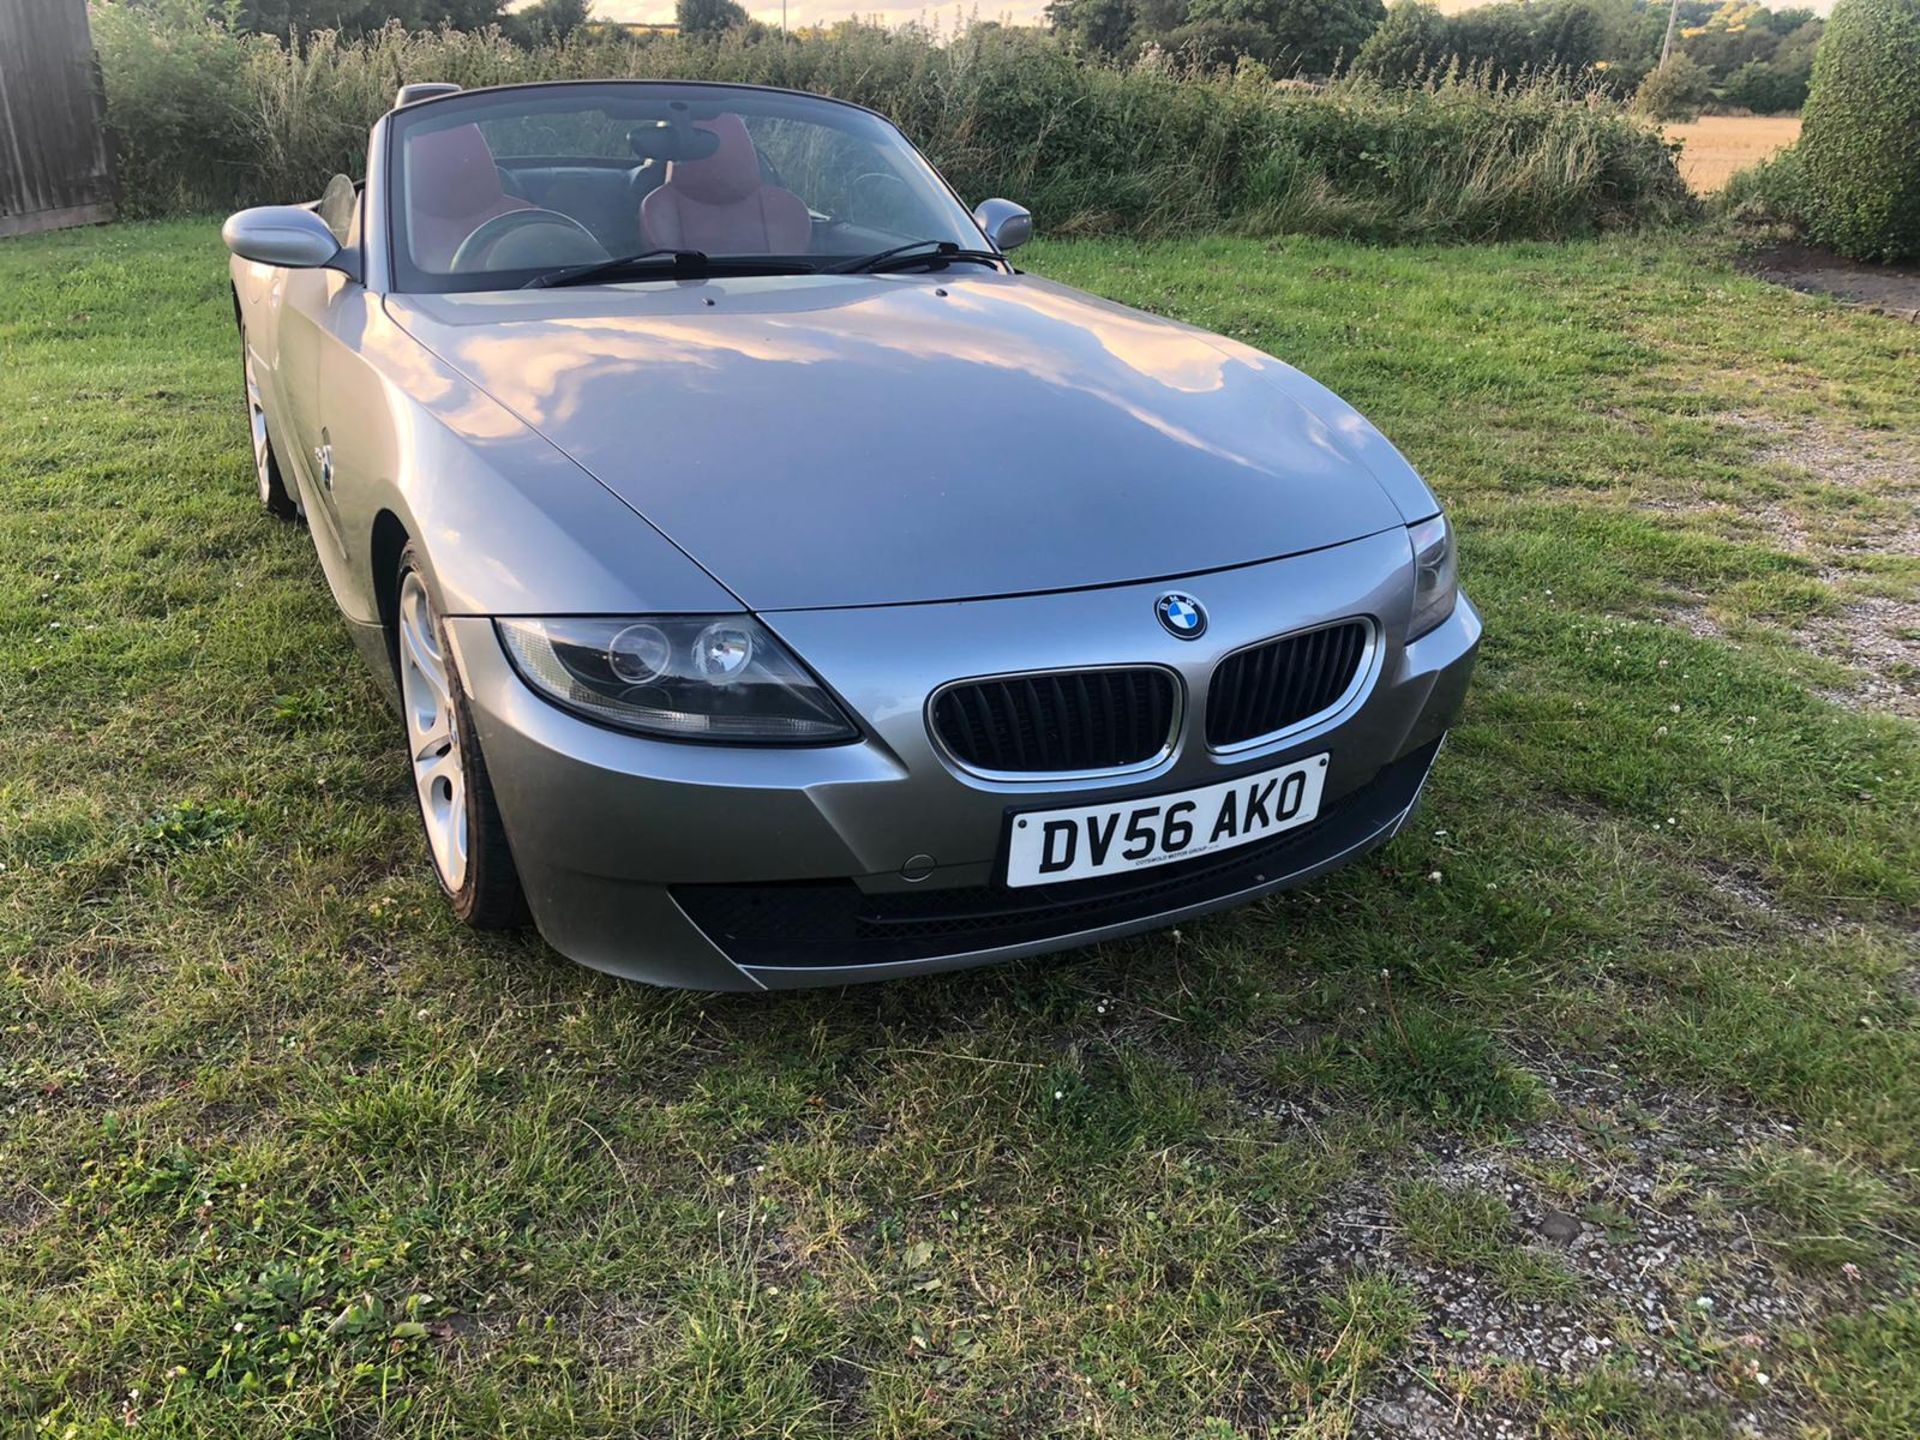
<point x="734" y="868"/>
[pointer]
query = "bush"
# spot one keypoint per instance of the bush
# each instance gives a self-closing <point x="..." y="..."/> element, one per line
<point x="1675" y="91"/>
<point x="175" y="105"/>
<point x="1861" y="143"/>
<point x="210" y="121"/>
<point x="1774" y="192"/>
<point x="1765" y="89"/>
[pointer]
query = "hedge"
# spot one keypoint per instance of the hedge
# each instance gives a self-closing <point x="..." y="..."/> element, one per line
<point x="207" y="119"/>
<point x="1860" y="144"/>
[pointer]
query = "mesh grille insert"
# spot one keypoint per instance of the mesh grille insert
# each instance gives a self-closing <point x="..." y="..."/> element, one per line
<point x="1057" y="721"/>
<point x="1282" y="682"/>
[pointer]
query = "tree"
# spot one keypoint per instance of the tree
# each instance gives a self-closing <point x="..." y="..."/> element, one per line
<point x="1303" y="36"/>
<point x="1097" y="27"/>
<point x="1675" y="91"/>
<point x="709" y="17"/>
<point x="1217" y="44"/>
<point x="1158" y="17"/>
<point x="1500" y="37"/>
<point x="1569" y="37"/>
<point x="1794" y="54"/>
<point x="545" y="21"/>
<point x="1765" y="89"/>
<point x="1860" y="148"/>
<point x="1510" y="41"/>
<point x="1413" y="40"/>
<point x="355" y="17"/>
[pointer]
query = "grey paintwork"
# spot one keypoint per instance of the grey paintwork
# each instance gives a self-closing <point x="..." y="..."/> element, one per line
<point x="1124" y="447"/>
<point x="867" y="460"/>
<point x="602" y="823"/>
<point x="1007" y="225"/>
<point x="285" y="235"/>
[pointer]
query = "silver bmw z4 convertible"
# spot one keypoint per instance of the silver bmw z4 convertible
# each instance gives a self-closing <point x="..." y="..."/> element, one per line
<point x="780" y="588"/>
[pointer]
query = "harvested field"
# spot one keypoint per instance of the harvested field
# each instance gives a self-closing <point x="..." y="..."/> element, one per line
<point x="1718" y="145"/>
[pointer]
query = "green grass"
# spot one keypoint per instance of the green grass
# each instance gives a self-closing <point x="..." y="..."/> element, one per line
<point x="286" y="1152"/>
<point x="1452" y="1225"/>
<point x="1462" y="1227"/>
<point x="1818" y="1212"/>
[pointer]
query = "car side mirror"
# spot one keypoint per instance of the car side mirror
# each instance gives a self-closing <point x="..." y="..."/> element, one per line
<point x="289" y="236"/>
<point x="1008" y="226"/>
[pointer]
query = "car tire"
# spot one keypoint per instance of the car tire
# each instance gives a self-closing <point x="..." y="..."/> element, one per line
<point x="466" y="843"/>
<point x="274" y="495"/>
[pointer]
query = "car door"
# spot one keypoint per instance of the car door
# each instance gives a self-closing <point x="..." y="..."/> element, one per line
<point x="321" y="316"/>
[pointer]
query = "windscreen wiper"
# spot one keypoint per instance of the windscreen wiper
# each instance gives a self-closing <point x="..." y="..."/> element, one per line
<point x="917" y="252"/>
<point x="678" y="264"/>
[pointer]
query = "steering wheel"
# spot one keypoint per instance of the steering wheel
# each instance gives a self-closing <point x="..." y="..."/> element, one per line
<point x="489" y="233"/>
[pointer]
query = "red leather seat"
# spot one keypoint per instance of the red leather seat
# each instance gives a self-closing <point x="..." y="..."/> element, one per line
<point x="453" y="188"/>
<point x="721" y="206"/>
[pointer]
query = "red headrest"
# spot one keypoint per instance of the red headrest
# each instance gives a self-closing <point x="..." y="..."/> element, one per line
<point x="731" y="173"/>
<point x="450" y="172"/>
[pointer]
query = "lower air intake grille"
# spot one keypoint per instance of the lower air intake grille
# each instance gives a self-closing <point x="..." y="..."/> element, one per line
<point x="1057" y="721"/>
<point x="1278" y="684"/>
<point x="826" y="924"/>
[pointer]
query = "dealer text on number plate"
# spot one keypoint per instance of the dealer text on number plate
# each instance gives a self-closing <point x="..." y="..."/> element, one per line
<point x="1081" y="841"/>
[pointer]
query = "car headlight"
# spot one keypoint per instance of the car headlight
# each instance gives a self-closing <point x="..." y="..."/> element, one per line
<point x="682" y="677"/>
<point x="1436" y="578"/>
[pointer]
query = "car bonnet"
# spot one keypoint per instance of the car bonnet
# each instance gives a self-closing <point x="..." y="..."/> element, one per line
<point x="823" y="441"/>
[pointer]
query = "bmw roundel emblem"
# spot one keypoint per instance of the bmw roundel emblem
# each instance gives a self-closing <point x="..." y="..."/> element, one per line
<point x="1181" y="614"/>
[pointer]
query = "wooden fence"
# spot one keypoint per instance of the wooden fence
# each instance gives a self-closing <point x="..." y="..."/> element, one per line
<point x="53" y="152"/>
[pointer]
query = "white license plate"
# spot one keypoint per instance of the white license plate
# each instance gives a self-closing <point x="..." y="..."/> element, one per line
<point x="1081" y="841"/>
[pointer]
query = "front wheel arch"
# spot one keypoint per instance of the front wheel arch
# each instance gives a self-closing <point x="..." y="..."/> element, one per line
<point x="270" y="481"/>
<point x="442" y="741"/>
<point x="389" y="542"/>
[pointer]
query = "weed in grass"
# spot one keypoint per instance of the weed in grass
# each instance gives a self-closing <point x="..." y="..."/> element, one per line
<point x="1113" y="1100"/>
<point x="304" y="709"/>
<point x="1612" y="1218"/>
<point x="1818" y="1213"/>
<point x="1527" y="1274"/>
<point x="1560" y="1179"/>
<point x="1461" y="1225"/>
<point x="1612" y="1403"/>
<point x="1502" y="1386"/>
<point x="1445" y="1069"/>
<point x="1308" y="1062"/>
<point x="1865" y="1371"/>
<point x="188" y="827"/>
<point x="1364" y="1324"/>
<point x="1452" y="1225"/>
<point x="1697" y="1344"/>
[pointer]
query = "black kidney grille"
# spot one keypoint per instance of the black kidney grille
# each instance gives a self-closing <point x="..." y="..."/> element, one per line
<point x="1057" y="721"/>
<point x="1269" y="687"/>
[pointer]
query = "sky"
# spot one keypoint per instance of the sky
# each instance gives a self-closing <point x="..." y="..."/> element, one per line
<point x="810" y="12"/>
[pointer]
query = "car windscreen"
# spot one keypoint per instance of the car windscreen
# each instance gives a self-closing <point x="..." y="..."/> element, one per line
<point x="491" y="190"/>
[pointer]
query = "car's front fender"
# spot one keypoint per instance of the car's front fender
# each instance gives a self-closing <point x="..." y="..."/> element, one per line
<point x="509" y="524"/>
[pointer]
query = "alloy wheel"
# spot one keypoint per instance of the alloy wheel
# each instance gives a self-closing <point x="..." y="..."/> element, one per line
<point x="257" y="427"/>
<point x="433" y="734"/>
